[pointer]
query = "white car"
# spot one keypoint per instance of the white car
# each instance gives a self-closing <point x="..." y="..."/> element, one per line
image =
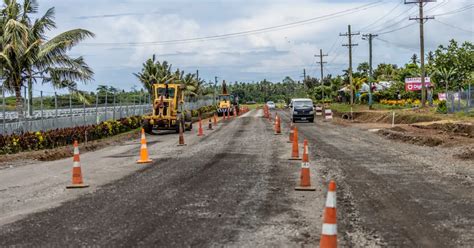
<point x="271" y="105"/>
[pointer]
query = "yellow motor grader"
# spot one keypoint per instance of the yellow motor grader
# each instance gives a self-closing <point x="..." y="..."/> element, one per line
<point x="168" y="109"/>
<point x="226" y="102"/>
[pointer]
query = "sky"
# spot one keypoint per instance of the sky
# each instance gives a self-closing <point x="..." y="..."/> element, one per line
<point x="130" y="31"/>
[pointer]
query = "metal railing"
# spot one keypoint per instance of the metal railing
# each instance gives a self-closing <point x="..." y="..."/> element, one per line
<point x="460" y="101"/>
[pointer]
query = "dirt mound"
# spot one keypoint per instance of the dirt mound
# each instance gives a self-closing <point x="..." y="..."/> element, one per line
<point x="412" y="139"/>
<point x="386" y="117"/>
<point x="461" y="129"/>
<point x="467" y="154"/>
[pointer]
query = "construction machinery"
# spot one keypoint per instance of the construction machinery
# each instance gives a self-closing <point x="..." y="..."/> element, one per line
<point x="168" y="109"/>
<point x="226" y="102"/>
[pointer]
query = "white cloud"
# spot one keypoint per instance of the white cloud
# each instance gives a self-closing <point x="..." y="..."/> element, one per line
<point x="271" y="55"/>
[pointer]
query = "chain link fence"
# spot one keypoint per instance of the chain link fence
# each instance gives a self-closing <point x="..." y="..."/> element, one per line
<point x="61" y="111"/>
<point x="460" y="101"/>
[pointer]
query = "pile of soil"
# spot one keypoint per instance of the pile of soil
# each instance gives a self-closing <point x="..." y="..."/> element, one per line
<point x="386" y="117"/>
<point x="410" y="138"/>
<point x="466" y="154"/>
<point x="461" y="129"/>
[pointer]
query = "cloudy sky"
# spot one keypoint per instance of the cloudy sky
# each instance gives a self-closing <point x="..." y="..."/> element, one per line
<point x="283" y="35"/>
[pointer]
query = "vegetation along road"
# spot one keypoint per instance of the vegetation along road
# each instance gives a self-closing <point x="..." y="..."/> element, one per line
<point x="235" y="186"/>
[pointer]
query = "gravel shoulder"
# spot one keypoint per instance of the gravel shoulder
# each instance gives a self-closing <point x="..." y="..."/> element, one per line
<point x="391" y="193"/>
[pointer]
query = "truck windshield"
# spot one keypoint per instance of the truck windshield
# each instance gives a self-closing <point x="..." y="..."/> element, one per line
<point x="303" y="104"/>
<point x="224" y="98"/>
<point x="162" y="92"/>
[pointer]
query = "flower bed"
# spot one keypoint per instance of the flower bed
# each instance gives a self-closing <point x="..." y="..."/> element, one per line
<point x="30" y="141"/>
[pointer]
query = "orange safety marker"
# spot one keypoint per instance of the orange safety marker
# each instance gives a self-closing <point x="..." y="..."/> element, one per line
<point x="277" y="125"/>
<point x="215" y="119"/>
<point x="77" y="181"/>
<point x="228" y="113"/>
<point x="292" y="133"/>
<point x="143" y="150"/>
<point x="200" y="131"/>
<point x="181" y="135"/>
<point x="329" y="230"/>
<point x="305" y="177"/>
<point x="295" y="154"/>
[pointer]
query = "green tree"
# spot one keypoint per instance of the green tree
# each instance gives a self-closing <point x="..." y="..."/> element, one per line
<point x="26" y="54"/>
<point x="457" y="59"/>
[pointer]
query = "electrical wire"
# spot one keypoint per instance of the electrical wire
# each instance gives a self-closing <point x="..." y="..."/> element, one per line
<point x="456" y="10"/>
<point x="244" y="33"/>
<point x="385" y="15"/>
<point x="450" y="25"/>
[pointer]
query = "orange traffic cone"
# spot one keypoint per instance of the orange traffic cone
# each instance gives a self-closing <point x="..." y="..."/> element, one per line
<point x="143" y="150"/>
<point x="209" y="126"/>
<point x="292" y="133"/>
<point x="181" y="135"/>
<point x="277" y="125"/>
<point x="295" y="155"/>
<point x="200" y="131"/>
<point x="77" y="181"/>
<point x="329" y="231"/>
<point x="215" y="119"/>
<point x="305" y="178"/>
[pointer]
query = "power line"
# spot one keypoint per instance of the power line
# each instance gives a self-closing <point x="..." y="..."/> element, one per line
<point x="397" y="29"/>
<point x="245" y="33"/>
<point x="449" y="25"/>
<point x="456" y="10"/>
<point x="385" y="15"/>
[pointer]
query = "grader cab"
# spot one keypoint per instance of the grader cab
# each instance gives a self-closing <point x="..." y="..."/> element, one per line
<point x="168" y="109"/>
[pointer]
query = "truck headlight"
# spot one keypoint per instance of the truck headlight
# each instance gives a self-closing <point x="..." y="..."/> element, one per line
<point x="295" y="112"/>
<point x="311" y="112"/>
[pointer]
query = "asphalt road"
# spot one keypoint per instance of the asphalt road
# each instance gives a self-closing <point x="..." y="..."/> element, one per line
<point x="235" y="187"/>
<point x="232" y="187"/>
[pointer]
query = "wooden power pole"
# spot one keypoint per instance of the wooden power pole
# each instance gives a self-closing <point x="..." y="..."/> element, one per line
<point x="422" y="20"/>
<point x="321" y="62"/>
<point x="349" y="34"/>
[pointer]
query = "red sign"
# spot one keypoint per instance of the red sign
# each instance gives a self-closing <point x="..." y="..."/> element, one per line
<point x="414" y="84"/>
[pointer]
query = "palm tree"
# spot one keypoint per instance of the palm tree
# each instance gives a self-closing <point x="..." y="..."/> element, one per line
<point x="446" y="75"/>
<point x="26" y="54"/>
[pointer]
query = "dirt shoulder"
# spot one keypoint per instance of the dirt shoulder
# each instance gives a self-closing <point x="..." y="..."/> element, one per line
<point x="416" y="128"/>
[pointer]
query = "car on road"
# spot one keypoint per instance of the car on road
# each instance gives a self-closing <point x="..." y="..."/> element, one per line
<point x="271" y="105"/>
<point x="302" y="109"/>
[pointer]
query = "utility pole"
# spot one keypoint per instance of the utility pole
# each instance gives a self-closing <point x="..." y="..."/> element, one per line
<point x="422" y="20"/>
<point x="321" y="62"/>
<point x="349" y="34"/>
<point x="304" y="75"/>
<point x="215" y="87"/>
<point x="197" y="75"/>
<point x="370" y="37"/>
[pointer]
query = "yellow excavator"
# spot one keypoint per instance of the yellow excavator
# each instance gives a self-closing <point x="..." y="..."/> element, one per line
<point x="168" y="109"/>
<point x="226" y="101"/>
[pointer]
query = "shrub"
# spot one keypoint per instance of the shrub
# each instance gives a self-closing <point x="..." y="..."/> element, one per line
<point x="29" y="141"/>
<point x="442" y="107"/>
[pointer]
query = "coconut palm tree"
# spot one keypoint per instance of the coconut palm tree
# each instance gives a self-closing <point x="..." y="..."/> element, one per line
<point x="26" y="55"/>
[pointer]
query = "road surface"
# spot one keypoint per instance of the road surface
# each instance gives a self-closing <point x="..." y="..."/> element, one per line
<point x="235" y="187"/>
